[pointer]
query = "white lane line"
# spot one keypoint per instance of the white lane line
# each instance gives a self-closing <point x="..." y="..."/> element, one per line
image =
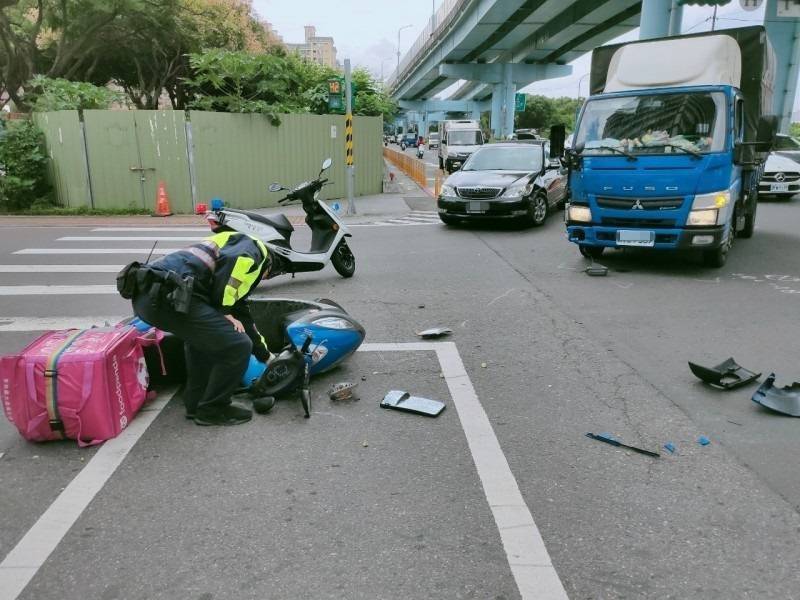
<point x="26" y="558"/>
<point x="143" y="251"/>
<point x="527" y="555"/>
<point x="47" y="323"/>
<point x="187" y="229"/>
<point x="52" y="290"/>
<point x="134" y="238"/>
<point x="60" y="268"/>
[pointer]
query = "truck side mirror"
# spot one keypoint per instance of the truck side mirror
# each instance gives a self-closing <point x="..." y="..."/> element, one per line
<point x="766" y="132"/>
<point x="558" y="133"/>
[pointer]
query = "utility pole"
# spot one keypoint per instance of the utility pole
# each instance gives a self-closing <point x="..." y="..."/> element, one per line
<point x="348" y="129"/>
<point x="398" y="45"/>
<point x="714" y="19"/>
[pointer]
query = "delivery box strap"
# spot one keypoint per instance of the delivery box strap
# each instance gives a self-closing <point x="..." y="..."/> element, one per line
<point x="51" y="381"/>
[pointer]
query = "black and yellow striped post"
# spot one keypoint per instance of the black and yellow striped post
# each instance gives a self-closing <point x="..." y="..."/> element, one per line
<point x="348" y="137"/>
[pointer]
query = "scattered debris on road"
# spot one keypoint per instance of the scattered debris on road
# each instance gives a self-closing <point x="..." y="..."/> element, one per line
<point x="344" y="391"/>
<point x="610" y="439"/>
<point x="262" y="405"/>
<point x="726" y="375"/>
<point x="434" y="332"/>
<point x="703" y="440"/>
<point x="596" y="270"/>
<point x="669" y="447"/>
<point x="399" y="400"/>
<point x="785" y="400"/>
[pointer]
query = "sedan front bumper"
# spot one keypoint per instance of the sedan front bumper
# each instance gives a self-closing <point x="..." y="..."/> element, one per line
<point x="483" y="209"/>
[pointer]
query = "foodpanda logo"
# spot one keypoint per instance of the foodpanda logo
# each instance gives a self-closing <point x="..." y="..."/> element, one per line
<point x="123" y="418"/>
<point x="6" y="393"/>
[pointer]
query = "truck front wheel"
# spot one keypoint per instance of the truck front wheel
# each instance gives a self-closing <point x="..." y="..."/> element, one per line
<point x="749" y="222"/>
<point x="591" y="251"/>
<point x="717" y="257"/>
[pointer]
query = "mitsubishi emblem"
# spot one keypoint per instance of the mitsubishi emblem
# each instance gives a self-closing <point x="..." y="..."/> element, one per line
<point x="637" y="205"/>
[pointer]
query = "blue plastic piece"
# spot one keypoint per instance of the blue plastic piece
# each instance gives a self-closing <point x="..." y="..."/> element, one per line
<point x="336" y="207"/>
<point x="669" y="447"/>
<point x="254" y="370"/>
<point x="217" y="204"/>
<point x="141" y="325"/>
<point x="703" y="440"/>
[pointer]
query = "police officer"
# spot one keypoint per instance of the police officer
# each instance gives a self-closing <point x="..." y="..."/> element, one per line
<point x="199" y="294"/>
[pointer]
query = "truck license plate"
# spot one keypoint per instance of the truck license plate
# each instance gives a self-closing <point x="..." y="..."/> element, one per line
<point x="779" y="187"/>
<point x="476" y="207"/>
<point x="626" y="237"/>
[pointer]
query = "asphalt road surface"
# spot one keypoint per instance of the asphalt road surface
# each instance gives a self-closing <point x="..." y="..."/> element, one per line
<point x="359" y="502"/>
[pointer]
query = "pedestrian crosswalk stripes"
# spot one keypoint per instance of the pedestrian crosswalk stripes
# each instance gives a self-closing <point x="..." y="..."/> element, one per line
<point x="58" y="251"/>
<point x="132" y="238"/>
<point x="126" y="229"/>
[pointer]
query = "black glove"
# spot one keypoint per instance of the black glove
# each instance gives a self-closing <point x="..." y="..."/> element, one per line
<point x="260" y="352"/>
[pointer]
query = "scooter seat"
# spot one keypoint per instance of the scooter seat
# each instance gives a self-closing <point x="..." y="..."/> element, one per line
<point x="278" y="221"/>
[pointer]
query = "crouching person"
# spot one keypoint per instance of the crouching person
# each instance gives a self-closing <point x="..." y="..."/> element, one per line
<point x="200" y="295"/>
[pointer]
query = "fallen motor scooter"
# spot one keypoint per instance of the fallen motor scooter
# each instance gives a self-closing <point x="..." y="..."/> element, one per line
<point x="328" y="232"/>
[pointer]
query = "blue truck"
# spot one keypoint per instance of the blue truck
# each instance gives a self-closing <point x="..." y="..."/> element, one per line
<point x="670" y="145"/>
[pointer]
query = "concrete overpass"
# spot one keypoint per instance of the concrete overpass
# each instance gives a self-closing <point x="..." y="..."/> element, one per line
<point x="499" y="46"/>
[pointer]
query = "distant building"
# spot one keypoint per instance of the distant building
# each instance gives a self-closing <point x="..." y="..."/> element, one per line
<point x="272" y="35"/>
<point x="318" y="49"/>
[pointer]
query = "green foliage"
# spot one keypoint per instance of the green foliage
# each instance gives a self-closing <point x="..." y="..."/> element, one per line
<point x="44" y="208"/>
<point x="60" y="94"/>
<point x="794" y="130"/>
<point x="542" y="113"/>
<point x="24" y="163"/>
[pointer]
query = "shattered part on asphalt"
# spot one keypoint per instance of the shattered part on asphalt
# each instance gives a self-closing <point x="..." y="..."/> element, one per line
<point x="343" y="391"/>
<point x="703" y="440"/>
<point x="435" y="332"/>
<point x="726" y="375"/>
<point x="610" y="439"/>
<point x="399" y="400"/>
<point x="596" y="270"/>
<point x="785" y="400"/>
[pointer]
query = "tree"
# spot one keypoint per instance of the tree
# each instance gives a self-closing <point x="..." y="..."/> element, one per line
<point x="542" y="112"/>
<point x="47" y="94"/>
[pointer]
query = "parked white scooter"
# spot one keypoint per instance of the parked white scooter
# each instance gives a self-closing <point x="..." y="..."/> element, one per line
<point x="327" y="231"/>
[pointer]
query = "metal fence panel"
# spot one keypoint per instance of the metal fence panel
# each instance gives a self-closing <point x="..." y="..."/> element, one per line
<point x="67" y="165"/>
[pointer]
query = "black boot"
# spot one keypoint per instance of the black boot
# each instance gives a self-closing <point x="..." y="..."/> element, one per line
<point x="227" y="415"/>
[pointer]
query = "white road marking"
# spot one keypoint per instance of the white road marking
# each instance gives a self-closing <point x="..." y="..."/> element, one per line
<point x="123" y="229"/>
<point x="47" y="323"/>
<point x="142" y="251"/>
<point x="527" y="555"/>
<point x="26" y="558"/>
<point x="56" y="290"/>
<point x="60" y="268"/>
<point x="134" y="238"/>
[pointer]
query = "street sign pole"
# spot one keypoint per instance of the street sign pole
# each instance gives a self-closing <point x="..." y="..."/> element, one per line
<point x="348" y="127"/>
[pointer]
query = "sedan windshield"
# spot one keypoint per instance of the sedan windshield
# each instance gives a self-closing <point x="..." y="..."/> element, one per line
<point x="502" y="158"/>
<point x="464" y="138"/>
<point x="653" y="124"/>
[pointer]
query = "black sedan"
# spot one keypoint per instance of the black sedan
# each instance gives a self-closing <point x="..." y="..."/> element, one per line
<point x="504" y="181"/>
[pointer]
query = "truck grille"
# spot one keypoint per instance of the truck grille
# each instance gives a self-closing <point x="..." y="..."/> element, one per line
<point x="638" y="223"/>
<point x="479" y="193"/>
<point x="647" y="203"/>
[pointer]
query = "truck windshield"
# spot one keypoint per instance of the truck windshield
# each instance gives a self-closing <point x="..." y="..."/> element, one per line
<point x="653" y="124"/>
<point x="464" y="138"/>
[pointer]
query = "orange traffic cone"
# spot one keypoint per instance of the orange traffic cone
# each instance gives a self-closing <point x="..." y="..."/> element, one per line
<point x="162" y="201"/>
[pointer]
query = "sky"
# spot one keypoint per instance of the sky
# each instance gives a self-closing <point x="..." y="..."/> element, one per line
<point x="365" y="31"/>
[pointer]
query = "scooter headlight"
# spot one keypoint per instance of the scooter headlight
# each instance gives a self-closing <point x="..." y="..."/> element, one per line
<point x="333" y="323"/>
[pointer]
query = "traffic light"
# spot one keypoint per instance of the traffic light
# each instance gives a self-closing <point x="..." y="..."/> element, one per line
<point x="336" y="95"/>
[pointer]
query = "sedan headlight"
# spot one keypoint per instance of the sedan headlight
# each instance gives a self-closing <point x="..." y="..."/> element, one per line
<point x="448" y="191"/>
<point x="518" y="190"/>
<point x="709" y="209"/>
<point x="581" y="214"/>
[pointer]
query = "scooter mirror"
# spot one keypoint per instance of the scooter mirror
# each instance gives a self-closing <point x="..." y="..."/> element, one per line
<point x="326" y="163"/>
<point x="275" y="187"/>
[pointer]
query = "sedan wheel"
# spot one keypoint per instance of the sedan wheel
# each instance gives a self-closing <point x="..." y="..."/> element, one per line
<point x="537" y="210"/>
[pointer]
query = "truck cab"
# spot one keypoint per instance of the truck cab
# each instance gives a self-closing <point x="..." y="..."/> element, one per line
<point x="459" y="140"/>
<point x="666" y="158"/>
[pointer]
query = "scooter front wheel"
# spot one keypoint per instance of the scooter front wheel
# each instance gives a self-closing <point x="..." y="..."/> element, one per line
<point x="343" y="260"/>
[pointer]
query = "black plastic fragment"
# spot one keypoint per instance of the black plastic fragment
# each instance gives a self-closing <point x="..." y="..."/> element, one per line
<point x="726" y="375"/>
<point x="785" y="400"/>
<point x="610" y="439"/>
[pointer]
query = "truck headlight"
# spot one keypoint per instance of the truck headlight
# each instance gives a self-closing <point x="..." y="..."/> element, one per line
<point x="581" y="214"/>
<point x="706" y="216"/>
<point x="707" y="208"/>
<point x="448" y="191"/>
<point x="518" y="190"/>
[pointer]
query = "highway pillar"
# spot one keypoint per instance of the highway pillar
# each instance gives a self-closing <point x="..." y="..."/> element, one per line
<point x="784" y="34"/>
<point x="675" y="18"/>
<point x="655" y="20"/>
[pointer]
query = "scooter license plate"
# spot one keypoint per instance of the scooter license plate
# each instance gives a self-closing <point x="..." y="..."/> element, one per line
<point x="477" y="207"/>
<point x="635" y="237"/>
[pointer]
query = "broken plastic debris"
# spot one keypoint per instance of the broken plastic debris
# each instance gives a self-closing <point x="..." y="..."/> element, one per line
<point x="610" y="439"/>
<point x="484" y="365"/>
<point x="726" y="375"/>
<point x="785" y="400"/>
<point x="435" y="332"/>
<point x="399" y="400"/>
<point x="343" y="391"/>
<point x="703" y="440"/>
<point x="596" y="270"/>
<point x="669" y="447"/>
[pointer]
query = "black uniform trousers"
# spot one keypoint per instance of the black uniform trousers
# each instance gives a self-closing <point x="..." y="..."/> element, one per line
<point x="216" y="354"/>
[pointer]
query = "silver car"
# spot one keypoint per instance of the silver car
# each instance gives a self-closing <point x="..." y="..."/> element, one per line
<point x="781" y="178"/>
